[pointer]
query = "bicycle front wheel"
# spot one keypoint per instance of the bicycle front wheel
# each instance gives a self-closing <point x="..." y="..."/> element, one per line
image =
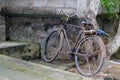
<point x="90" y="56"/>
<point x="53" y="45"/>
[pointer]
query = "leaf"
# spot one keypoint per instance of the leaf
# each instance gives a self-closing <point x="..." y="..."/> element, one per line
<point x="110" y="6"/>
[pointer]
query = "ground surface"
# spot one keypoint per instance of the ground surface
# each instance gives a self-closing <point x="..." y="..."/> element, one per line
<point x="15" y="69"/>
<point x="112" y="72"/>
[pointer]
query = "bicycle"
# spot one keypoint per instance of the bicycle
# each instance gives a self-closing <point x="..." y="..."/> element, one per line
<point x="88" y="51"/>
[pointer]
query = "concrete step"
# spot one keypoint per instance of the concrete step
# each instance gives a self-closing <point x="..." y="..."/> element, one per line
<point x="20" y="50"/>
<point x="16" y="69"/>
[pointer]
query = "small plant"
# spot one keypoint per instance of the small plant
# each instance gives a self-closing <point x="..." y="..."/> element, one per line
<point x="111" y="6"/>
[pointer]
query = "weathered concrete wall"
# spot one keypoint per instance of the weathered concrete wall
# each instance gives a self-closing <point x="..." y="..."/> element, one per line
<point x="47" y="6"/>
<point x="51" y="6"/>
<point x="32" y="29"/>
<point x="2" y="29"/>
<point x="2" y="24"/>
<point x="36" y="30"/>
<point x="2" y="3"/>
<point x="29" y="29"/>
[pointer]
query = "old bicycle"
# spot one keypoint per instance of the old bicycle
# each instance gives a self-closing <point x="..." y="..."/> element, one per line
<point x="88" y="51"/>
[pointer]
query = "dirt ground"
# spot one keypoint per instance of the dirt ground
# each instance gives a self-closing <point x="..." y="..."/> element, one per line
<point x="112" y="72"/>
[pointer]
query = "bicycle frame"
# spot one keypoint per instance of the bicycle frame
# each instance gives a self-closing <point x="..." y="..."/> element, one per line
<point x="80" y="37"/>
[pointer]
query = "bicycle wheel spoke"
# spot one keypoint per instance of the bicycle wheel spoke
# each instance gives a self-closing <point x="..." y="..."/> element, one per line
<point x="81" y="55"/>
<point x="94" y="61"/>
<point x="89" y="45"/>
<point x="88" y="64"/>
<point x="86" y="49"/>
<point x="53" y="48"/>
<point x="98" y="51"/>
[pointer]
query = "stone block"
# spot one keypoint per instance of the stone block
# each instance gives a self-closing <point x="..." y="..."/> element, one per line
<point x="20" y="50"/>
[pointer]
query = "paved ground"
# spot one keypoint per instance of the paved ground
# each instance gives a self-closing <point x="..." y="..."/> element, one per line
<point x="10" y="44"/>
<point x="14" y="69"/>
<point x="59" y="64"/>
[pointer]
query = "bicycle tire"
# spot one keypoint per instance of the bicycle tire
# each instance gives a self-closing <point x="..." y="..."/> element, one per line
<point x="83" y="58"/>
<point x="57" y="37"/>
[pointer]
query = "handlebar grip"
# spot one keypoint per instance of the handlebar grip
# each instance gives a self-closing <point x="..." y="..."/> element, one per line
<point x="101" y="32"/>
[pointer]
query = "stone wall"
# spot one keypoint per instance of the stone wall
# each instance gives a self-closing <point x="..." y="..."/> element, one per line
<point x="2" y="3"/>
<point x="2" y="23"/>
<point x="29" y="29"/>
<point x="32" y="29"/>
<point x="46" y="6"/>
<point x="2" y="29"/>
<point x="36" y="29"/>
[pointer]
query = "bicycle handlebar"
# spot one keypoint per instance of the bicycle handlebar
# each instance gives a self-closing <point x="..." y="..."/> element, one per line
<point x="97" y="32"/>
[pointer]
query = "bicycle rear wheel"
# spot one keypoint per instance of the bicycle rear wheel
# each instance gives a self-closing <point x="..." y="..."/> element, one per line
<point x="90" y="56"/>
<point x="53" y="45"/>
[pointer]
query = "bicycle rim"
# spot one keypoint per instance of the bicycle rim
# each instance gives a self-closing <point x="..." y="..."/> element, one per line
<point x="90" y="56"/>
<point x="53" y="45"/>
